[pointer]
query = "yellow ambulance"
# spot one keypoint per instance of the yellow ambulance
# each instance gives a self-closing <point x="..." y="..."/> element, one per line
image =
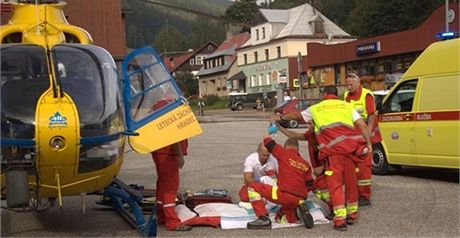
<point x="419" y="118"/>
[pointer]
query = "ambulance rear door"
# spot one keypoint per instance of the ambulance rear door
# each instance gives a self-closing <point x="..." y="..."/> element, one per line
<point x="437" y="121"/>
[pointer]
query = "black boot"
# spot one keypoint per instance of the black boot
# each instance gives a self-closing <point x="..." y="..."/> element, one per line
<point x="263" y="222"/>
<point x="364" y="202"/>
<point x="342" y="227"/>
<point x="304" y="214"/>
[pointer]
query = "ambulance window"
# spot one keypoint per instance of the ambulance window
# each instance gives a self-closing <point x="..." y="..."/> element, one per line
<point x="401" y="99"/>
<point x="440" y="93"/>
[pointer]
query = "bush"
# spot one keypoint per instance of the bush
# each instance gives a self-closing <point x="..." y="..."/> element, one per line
<point x="211" y="99"/>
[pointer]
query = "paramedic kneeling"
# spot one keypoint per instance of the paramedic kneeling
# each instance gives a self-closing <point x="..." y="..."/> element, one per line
<point x="259" y="167"/>
<point x="294" y="176"/>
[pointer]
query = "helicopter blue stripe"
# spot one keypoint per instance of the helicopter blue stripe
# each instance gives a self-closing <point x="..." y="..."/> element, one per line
<point x="100" y="139"/>
<point x="18" y="142"/>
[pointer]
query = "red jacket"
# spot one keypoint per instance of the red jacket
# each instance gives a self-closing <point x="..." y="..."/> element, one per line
<point x="293" y="171"/>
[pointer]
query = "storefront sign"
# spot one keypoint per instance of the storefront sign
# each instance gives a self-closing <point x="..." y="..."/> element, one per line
<point x="368" y="48"/>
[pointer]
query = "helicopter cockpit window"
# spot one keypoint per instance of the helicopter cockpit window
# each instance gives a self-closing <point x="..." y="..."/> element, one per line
<point x="24" y="78"/>
<point x="151" y="86"/>
<point x="88" y="75"/>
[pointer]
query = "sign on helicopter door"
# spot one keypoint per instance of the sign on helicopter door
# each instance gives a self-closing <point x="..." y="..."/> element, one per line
<point x="156" y="112"/>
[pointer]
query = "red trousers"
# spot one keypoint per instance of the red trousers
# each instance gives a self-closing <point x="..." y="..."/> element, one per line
<point x="167" y="187"/>
<point x="364" y="177"/>
<point x="288" y="202"/>
<point x="340" y="170"/>
<point x="243" y="193"/>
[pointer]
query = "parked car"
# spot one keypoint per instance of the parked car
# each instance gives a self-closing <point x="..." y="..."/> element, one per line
<point x="379" y="95"/>
<point x="296" y="105"/>
<point x="239" y="101"/>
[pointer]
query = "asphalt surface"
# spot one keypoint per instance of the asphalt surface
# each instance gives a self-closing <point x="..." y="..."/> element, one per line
<point x="416" y="202"/>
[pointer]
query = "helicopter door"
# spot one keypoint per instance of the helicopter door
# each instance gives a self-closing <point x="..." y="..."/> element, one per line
<point x="156" y="113"/>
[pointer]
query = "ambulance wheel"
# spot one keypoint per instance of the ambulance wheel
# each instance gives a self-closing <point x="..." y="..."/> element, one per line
<point x="239" y="107"/>
<point x="380" y="164"/>
<point x="293" y="124"/>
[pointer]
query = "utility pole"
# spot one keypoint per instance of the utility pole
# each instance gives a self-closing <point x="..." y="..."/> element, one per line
<point x="447" y="13"/>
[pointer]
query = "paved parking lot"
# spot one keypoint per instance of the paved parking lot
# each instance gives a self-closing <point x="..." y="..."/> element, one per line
<point x="417" y="202"/>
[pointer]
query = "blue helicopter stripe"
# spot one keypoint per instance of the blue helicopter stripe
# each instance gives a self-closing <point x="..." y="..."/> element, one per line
<point x="18" y="142"/>
<point x="100" y="139"/>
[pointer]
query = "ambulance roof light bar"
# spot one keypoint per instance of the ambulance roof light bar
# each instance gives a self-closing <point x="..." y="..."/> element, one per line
<point x="447" y="35"/>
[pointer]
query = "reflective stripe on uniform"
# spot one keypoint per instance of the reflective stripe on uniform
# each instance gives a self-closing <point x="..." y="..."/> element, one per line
<point x="169" y="205"/>
<point x="322" y="194"/>
<point x="274" y="193"/>
<point x="352" y="208"/>
<point x="364" y="182"/>
<point x="328" y="172"/>
<point x="253" y="195"/>
<point x="340" y="212"/>
<point x="357" y="170"/>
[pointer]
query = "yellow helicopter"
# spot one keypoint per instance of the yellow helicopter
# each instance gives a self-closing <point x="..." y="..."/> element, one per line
<point x="65" y="114"/>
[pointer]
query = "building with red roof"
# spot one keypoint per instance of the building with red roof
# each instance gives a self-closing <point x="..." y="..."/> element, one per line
<point x="189" y="61"/>
<point x="220" y="66"/>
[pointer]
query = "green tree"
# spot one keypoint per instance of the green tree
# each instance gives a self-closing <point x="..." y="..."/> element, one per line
<point x="377" y="17"/>
<point x="188" y="83"/>
<point x="286" y="4"/>
<point x="337" y="11"/>
<point x="242" y="11"/>
<point x="169" y="38"/>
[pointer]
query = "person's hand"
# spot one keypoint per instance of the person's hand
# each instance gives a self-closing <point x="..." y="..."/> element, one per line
<point x="180" y="162"/>
<point x="275" y="117"/>
<point x="318" y="170"/>
<point x="367" y="150"/>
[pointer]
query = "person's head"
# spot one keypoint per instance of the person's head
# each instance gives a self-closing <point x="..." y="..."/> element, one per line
<point x="263" y="153"/>
<point x="286" y="93"/>
<point x="330" y="90"/>
<point x="352" y="80"/>
<point x="291" y="143"/>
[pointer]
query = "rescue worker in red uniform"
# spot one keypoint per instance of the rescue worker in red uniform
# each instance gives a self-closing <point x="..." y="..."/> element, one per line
<point x="294" y="175"/>
<point x="168" y="161"/>
<point x="363" y="102"/>
<point x="319" y="187"/>
<point x="340" y="146"/>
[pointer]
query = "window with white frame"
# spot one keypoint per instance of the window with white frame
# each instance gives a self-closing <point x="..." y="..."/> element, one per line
<point x="278" y="51"/>
<point x="199" y="60"/>
<point x="245" y="58"/>
<point x="192" y="61"/>
<point x="257" y="34"/>
<point x="268" y="79"/>
<point x="260" y="78"/>
<point x="263" y="32"/>
<point x="256" y="57"/>
<point x="253" y="81"/>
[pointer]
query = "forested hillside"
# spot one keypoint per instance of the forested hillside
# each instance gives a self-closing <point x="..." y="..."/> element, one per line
<point x="169" y="29"/>
<point x="150" y="24"/>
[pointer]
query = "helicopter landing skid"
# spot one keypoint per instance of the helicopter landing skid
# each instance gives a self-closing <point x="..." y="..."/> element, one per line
<point x="126" y="201"/>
